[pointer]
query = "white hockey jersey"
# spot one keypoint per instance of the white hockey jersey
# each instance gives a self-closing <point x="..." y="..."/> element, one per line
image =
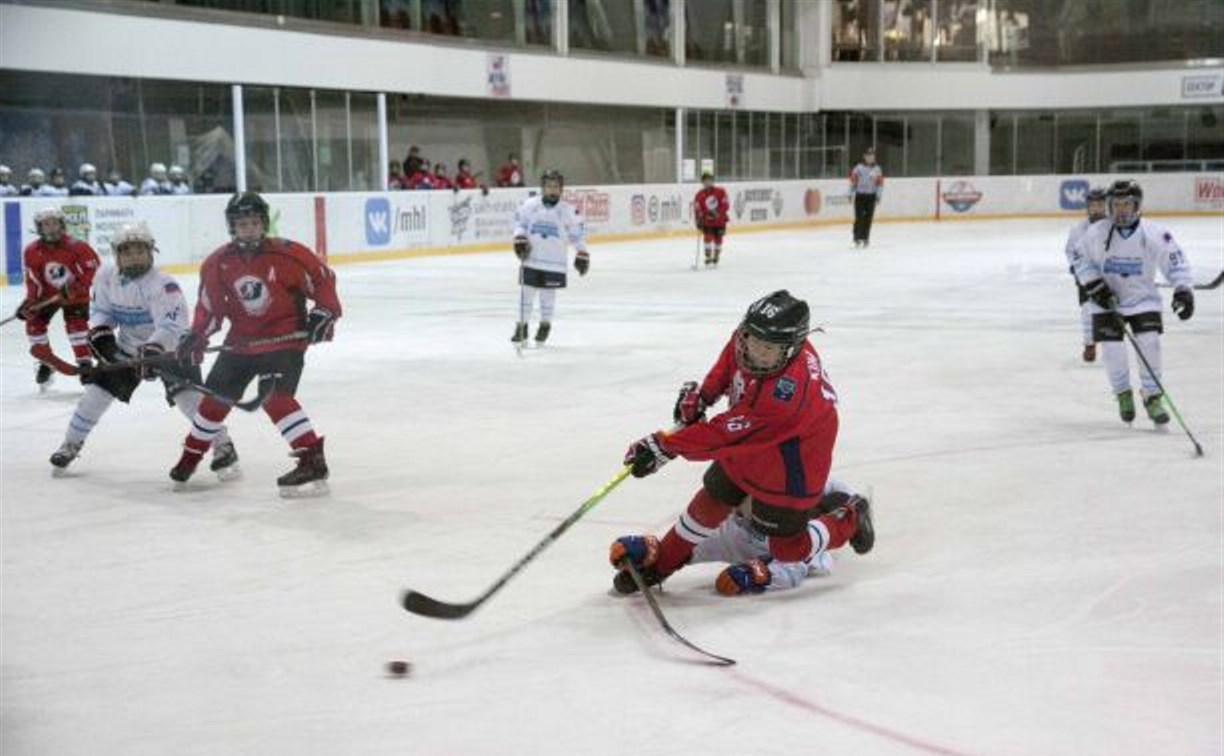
<point x="149" y="309"/>
<point x="153" y="186"/>
<point x="1129" y="263"/>
<point x="551" y="230"/>
<point x="1077" y="231"/>
<point x="8" y="190"/>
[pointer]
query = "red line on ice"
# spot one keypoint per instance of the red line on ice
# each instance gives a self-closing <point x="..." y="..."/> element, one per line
<point x="799" y="702"/>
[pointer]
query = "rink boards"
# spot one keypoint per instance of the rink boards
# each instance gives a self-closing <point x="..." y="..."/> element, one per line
<point x="354" y="226"/>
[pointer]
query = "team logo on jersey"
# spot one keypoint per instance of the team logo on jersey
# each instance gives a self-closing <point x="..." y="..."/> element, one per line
<point x="961" y="195"/>
<point x="544" y="229"/>
<point x="56" y="274"/>
<point x="1124" y="266"/>
<point x="784" y="389"/>
<point x="253" y="294"/>
<point x="1073" y="194"/>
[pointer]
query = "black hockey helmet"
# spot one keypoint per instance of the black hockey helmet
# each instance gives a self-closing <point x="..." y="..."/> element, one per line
<point x="780" y="320"/>
<point x="1125" y="189"/>
<point x="244" y="205"/>
<point x="552" y="174"/>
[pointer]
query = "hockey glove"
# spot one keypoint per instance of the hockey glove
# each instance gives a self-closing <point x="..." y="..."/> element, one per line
<point x="150" y="351"/>
<point x="647" y="455"/>
<point x="1100" y="294"/>
<point x="582" y="262"/>
<point x="102" y="343"/>
<point x="752" y="576"/>
<point x="190" y="349"/>
<point x="320" y="325"/>
<point x="88" y="373"/>
<point x="690" y="406"/>
<point x="1183" y="303"/>
<point x="522" y="247"/>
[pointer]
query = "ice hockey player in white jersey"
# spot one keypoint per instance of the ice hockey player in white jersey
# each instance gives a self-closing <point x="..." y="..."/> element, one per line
<point x="6" y="187"/>
<point x="136" y="311"/>
<point x="156" y="182"/>
<point x="746" y="548"/>
<point x="544" y="228"/>
<point x="87" y="183"/>
<point x="1116" y="261"/>
<point x="1094" y="203"/>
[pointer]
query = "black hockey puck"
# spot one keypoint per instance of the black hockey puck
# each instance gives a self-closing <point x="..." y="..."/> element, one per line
<point x="398" y="668"/>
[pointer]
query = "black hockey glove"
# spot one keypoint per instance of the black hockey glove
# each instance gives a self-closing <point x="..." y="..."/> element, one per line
<point x="151" y="371"/>
<point x="522" y="247"/>
<point x="690" y="407"/>
<point x="102" y="343"/>
<point x="190" y="350"/>
<point x="88" y="373"/>
<point x="320" y="324"/>
<point x="647" y="455"/>
<point x="582" y="262"/>
<point x="1183" y="303"/>
<point x="1101" y="295"/>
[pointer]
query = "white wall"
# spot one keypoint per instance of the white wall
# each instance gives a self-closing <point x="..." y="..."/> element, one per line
<point x="380" y="225"/>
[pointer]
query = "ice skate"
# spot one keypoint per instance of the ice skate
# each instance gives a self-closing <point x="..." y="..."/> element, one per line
<point x="1155" y="407"/>
<point x="1089" y="354"/>
<point x="309" y="478"/>
<point x="44" y="376"/>
<point x="1126" y="406"/>
<point x="63" y="457"/>
<point x="642" y="551"/>
<point x="185" y="468"/>
<point x="520" y="334"/>
<point x="225" y="462"/>
<point x="542" y="332"/>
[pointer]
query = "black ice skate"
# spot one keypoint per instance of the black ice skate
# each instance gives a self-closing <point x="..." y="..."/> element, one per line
<point x="43" y="376"/>
<point x="542" y="332"/>
<point x="309" y="478"/>
<point x="185" y="468"/>
<point x="63" y="456"/>
<point x="520" y="334"/>
<point x="225" y="462"/>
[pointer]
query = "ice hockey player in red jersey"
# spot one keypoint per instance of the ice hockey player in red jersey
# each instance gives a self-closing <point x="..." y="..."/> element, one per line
<point x="770" y="455"/>
<point x="261" y="285"/>
<point x="61" y="269"/>
<point x="710" y="208"/>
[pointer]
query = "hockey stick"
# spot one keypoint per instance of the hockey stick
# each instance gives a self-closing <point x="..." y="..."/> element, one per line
<point x="43" y="353"/>
<point x="283" y="338"/>
<point x="172" y="357"/>
<point x="721" y="661"/>
<point x="518" y="345"/>
<point x="419" y="603"/>
<point x="697" y="253"/>
<point x="1213" y="284"/>
<point x="37" y="306"/>
<point x="1198" y="449"/>
<point x="264" y="389"/>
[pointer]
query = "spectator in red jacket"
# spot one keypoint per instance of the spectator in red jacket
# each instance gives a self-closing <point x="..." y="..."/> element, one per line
<point x="510" y="174"/>
<point x="440" y="179"/>
<point x="464" y="178"/>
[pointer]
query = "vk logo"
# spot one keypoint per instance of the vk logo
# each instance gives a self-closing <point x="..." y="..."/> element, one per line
<point x="377" y="221"/>
<point x="1071" y="195"/>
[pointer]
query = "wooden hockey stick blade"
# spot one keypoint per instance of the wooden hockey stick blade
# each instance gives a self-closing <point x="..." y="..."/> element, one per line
<point x="721" y="661"/>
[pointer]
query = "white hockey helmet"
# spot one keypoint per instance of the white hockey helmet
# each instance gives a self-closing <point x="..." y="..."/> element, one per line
<point x="177" y="172"/>
<point x="158" y="171"/>
<point x="123" y="241"/>
<point x="36" y="173"/>
<point x="5" y="171"/>
<point x="44" y="214"/>
<point x="86" y="169"/>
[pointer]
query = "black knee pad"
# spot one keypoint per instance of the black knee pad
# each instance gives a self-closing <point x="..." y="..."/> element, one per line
<point x="1146" y="322"/>
<point x="1106" y="326"/>
<point x="773" y="520"/>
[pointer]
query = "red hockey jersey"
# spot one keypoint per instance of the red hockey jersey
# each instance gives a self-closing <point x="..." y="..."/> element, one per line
<point x="776" y="439"/>
<point x="68" y="263"/>
<point x="263" y="293"/>
<point x="710" y="207"/>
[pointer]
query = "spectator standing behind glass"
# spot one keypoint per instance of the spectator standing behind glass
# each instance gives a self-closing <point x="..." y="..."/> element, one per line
<point x="156" y="182"/>
<point x="6" y="187"/>
<point x="413" y="163"/>
<point x="867" y="186"/>
<point x="115" y="186"/>
<point x="440" y="179"/>
<point x="395" y="177"/>
<point x="464" y="178"/>
<point x="178" y="183"/>
<point x="87" y="185"/>
<point x="510" y="174"/>
<point x="58" y="186"/>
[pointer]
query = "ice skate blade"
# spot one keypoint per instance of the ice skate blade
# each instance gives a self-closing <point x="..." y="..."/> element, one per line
<point x="231" y="473"/>
<point x="312" y="490"/>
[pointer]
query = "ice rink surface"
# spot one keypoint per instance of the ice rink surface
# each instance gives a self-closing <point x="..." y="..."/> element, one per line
<point x="1045" y="580"/>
